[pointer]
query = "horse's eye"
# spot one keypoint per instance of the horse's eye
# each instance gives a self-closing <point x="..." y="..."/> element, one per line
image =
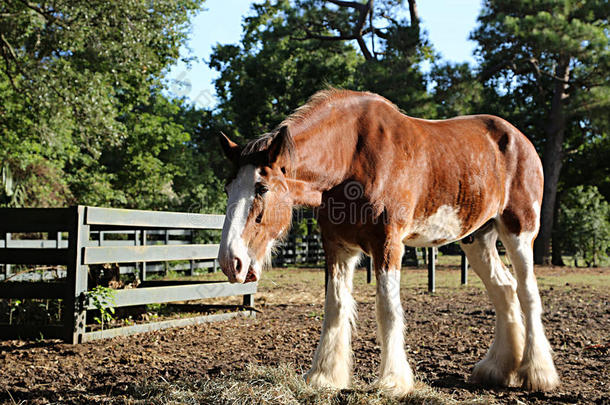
<point x="260" y="189"/>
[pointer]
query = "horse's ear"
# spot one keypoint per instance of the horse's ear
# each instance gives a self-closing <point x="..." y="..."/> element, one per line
<point x="230" y="148"/>
<point x="281" y="145"/>
<point x="303" y="194"/>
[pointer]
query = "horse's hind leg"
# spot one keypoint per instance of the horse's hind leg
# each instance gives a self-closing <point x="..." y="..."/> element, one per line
<point x="537" y="370"/>
<point x="332" y="363"/>
<point x="499" y="366"/>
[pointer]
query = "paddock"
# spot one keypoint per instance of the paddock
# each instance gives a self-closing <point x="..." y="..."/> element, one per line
<point x="76" y="240"/>
<point x="446" y="334"/>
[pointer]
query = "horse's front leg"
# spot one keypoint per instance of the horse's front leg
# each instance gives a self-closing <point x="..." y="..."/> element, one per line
<point x="395" y="373"/>
<point x="332" y="362"/>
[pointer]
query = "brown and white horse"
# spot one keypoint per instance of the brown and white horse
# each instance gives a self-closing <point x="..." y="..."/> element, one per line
<point x="378" y="179"/>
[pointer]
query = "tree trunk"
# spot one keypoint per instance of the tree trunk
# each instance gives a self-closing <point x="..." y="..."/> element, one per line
<point x="552" y="160"/>
<point x="413" y="13"/>
<point x="556" y="247"/>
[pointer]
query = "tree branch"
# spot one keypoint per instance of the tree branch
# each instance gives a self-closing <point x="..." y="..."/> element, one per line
<point x="413" y="13"/>
<point x="48" y="16"/>
<point x="358" y="32"/>
<point x="513" y="65"/>
<point x="351" y="4"/>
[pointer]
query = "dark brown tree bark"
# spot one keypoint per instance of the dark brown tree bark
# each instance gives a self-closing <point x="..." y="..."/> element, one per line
<point x="552" y="160"/>
<point x="556" y="247"/>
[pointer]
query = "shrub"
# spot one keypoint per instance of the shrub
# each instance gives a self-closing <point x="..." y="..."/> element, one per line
<point x="585" y="224"/>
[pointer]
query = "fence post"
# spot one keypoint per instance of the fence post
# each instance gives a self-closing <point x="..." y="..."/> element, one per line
<point x="166" y="263"/>
<point x="192" y="262"/>
<point x="464" y="268"/>
<point x="143" y="264"/>
<point x="75" y="307"/>
<point x="326" y="272"/>
<point x="7" y="267"/>
<point x="248" y="300"/>
<point x="431" y="270"/>
<point x="369" y="270"/>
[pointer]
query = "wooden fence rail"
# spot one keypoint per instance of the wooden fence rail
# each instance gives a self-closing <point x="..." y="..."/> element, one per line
<point x="87" y="228"/>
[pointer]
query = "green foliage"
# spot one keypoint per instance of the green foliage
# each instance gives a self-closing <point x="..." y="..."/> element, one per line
<point x="585" y="224"/>
<point x="521" y="42"/>
<point x="456" y="90"/>
<point x="276" y="67"/>
<point x="270" y="73"/>
<point x="102" y="298"/>
<point x="81" y="116"/>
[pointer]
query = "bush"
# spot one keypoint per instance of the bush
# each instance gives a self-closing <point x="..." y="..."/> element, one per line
<point x="585" y="224"/>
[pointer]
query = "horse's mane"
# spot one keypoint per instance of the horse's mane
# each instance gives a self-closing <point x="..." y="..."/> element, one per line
<point x="302" y="114"/>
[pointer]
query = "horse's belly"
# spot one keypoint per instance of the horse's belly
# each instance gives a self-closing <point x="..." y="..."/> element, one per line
<point x="444" y="226"/>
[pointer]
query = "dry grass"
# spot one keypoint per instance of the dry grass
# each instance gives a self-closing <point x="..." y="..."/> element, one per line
<point x="277" y="385"/>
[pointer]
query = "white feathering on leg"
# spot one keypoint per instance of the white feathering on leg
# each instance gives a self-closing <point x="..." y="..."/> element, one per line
<point x="395" y="374"/>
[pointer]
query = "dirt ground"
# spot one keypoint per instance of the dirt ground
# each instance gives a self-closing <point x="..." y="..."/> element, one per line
<point x="446" y="334"/>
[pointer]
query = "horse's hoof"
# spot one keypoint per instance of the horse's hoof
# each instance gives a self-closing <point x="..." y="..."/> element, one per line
<point x="396" y="385"/>
<point x="541" y="377"/>
<point x="319" y="380"/>
<point x="487" y="372"/>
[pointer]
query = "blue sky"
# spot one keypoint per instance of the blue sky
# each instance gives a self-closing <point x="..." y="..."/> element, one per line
<point x="448" y="23"/>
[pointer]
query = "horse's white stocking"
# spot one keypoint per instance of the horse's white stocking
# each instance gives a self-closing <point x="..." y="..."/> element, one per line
<point x="332" y="362"/>
<point x="500" y="364"/>
<point x="395" y="373"/>
<point x="537" y="371"/>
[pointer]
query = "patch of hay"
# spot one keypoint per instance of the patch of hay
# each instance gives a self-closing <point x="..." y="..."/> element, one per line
<point x="278" y="386"/>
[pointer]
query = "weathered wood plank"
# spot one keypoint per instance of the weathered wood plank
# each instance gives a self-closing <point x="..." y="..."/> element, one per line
<point x="33" y="256"/>
<point x="154" y="295"/>
<point x="173" y="323"/>
<point x="34" y="243"/>
<point x="152" y="219"/>
<point x="159" y="253"/>
<point x="29" y="289"/>
<point x="35" y="219"/>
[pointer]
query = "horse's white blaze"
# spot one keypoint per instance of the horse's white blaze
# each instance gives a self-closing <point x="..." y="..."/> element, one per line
<point x="444" y="225"/>
<point x="240" y="198"/>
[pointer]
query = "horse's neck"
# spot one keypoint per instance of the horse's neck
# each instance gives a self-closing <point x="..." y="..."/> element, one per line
<point x="323" y="158"/>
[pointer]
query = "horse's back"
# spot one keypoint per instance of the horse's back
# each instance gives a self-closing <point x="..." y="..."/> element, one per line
<point x="459" y="173"/>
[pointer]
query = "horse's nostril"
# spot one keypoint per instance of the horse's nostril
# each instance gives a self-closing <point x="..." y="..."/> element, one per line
<point x="237" y="264"/>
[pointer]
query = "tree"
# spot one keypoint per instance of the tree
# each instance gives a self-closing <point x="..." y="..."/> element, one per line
<point x="585" y="224"/>
<point x="74" y="77"/>
<point x="456" y="91"/>
<point x="549" y="59"/>
<point x="291" y="49"/>
<point x="269" y="74"/>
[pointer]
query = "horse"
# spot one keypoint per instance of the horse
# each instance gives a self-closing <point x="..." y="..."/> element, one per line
<point x="378" y="180"/>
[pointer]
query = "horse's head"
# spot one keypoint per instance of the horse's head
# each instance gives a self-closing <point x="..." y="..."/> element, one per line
<point x="260" y="200"/>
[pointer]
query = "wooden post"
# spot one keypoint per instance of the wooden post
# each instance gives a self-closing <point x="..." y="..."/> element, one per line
<point x="248" y="300"/>
<point x="143" y="268"/>
<point x="75" y="313"/>
<point x="7" y="266"/>
<point x="431" y="270"/>
<point x="464" y="269"/>
<point x="166" y="263"/>
<point x="192" y="262"/>
<point x="326" y="272"/>
<point x="369" y="270"/>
